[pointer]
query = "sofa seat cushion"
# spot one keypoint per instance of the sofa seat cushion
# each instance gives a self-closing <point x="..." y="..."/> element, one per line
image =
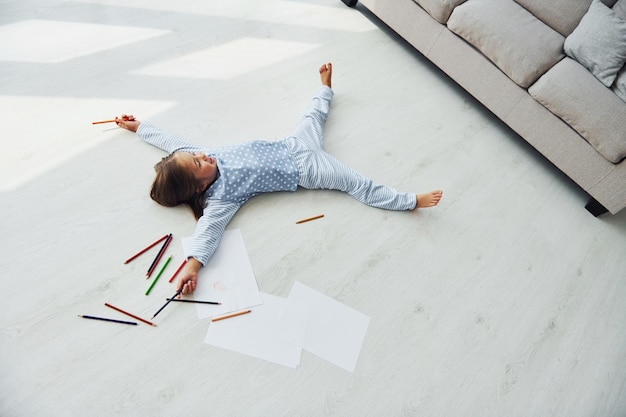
<point x="439" y="9"/>
<point x="572" y="93"/>
<point x="599" y="42"/>
<point x="517" y="42"/>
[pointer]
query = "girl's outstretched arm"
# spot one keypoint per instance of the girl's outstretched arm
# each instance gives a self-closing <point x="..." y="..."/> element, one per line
<point x="165" y="141"/>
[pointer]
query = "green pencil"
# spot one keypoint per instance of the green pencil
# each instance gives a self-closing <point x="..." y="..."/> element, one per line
<point x="158" y="275"/>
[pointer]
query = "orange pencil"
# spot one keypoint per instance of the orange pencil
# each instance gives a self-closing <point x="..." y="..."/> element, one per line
<point x="227" y="316"/>
<point x="144" y="250"/>
<point x="178" y="270"/>
<point x="310" y="218"/>
<point x="128" y="314"/>
<point x="103" y="121"/>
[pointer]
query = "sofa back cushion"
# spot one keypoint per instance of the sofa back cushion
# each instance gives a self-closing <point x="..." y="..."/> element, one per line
<point x="561" y="15"/>
<point x="439" y="9"/>
<point x="599" y="42"/>
<point x="620" y="9"/>
<point x="520" y="45"/>
<point x="572" y="93"/>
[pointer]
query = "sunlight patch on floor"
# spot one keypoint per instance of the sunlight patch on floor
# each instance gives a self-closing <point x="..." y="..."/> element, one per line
<point x="229" y="60"/>
<point x="41" y="133"/>
<point x="46" y="41"/>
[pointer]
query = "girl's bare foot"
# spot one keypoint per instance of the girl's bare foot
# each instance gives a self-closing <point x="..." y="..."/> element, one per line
<point x="326" y="73"/>
<point x="430" y="199"/>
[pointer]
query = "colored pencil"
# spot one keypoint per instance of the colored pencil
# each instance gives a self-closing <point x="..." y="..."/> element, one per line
<point x="167" y="261"/>
<point x="145" y="250"/>
<point x="105" y="319"/>
<point x="309" y="219"/>
<point x="128" y="314"/>
<point x="103" y="121"/>
<point x="169" y="300"/>
<point x="159" y="255"/>
<point x="178" y="270"/>
<point x="180" y="300"/>
<point x="227" y="316"/>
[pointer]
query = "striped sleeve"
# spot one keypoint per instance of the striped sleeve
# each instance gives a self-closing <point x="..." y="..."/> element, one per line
<point x="163" y="140"/>
<point x="210" y="228"/>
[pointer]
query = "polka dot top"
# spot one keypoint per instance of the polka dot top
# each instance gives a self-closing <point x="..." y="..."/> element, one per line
<point x="244" y="171"/>
<point x="252" y="168"/>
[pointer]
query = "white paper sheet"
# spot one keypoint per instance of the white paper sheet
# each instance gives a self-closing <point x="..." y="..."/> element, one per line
<point x="227" y="278"/>
<point x="257" y="334"/>
<point x="324" y="326"/>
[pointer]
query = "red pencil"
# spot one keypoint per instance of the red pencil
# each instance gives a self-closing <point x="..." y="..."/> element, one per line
<point x="159" y="255"/>
<point x="146" y="249"/>
<point x="178" y="270"/>
<point x="128" y="314"/>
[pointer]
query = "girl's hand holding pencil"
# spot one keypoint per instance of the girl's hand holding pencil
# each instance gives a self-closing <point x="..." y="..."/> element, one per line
<point x="189" y="276"/>
<point x="128" y="122"/>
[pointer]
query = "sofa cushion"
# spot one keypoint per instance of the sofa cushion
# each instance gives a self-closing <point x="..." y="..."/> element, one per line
<point x="619" y="86"/>
<point x="511" y="37"/>
<point x="561" y="15"/>
<point x="572" y="93"/>
<point x="620" y="9"/>
<point x="439" y="9"/>
<point x="599" y="42"/>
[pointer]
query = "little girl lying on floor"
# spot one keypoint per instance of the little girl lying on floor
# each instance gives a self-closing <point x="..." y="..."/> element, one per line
<point x="215" y="183"/>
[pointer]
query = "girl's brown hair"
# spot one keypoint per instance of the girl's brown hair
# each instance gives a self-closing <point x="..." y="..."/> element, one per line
<point x="174" y="185"/>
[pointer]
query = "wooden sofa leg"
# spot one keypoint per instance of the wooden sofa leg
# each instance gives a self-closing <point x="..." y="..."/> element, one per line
<point x="350" y="3"/>
<point x="595" y="208"/>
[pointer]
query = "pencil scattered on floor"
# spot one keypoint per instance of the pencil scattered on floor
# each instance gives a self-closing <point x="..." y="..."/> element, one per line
<point x="167" y="261"/>
<point x="168" y="301"/>
<point x="159" y="255"/>
<point x="141" y="252"/>
<point x="178" y="270"/>
<point x="129" y="314"/>
<point x="309" y="219"/>
<point x="106" y="319"/>
<point x="180" y="300"/>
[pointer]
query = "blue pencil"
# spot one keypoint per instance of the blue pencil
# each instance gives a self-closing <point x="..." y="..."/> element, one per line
<point x="105" y="319"/>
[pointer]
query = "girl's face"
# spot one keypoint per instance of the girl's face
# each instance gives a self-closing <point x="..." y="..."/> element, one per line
<point x="203" y="168"/>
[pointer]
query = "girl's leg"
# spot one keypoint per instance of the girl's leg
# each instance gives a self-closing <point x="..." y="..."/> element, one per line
<point x="322" y="171"/>
<point x="310" y="130"/>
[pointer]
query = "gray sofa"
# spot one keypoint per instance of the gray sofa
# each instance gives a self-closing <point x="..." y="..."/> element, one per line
<point x="552" y="70"/>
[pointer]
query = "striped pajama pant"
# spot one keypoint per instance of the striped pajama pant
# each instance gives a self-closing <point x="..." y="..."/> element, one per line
<point x="319" y="170"/>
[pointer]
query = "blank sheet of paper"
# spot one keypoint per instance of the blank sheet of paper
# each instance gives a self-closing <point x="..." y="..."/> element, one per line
<point x="227" y="278"/>
<point x="323" y="326"/>
<point x="257" y="334"/>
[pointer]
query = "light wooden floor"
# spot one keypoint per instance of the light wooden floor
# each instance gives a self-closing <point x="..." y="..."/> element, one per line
<point x="506" y="300"/>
